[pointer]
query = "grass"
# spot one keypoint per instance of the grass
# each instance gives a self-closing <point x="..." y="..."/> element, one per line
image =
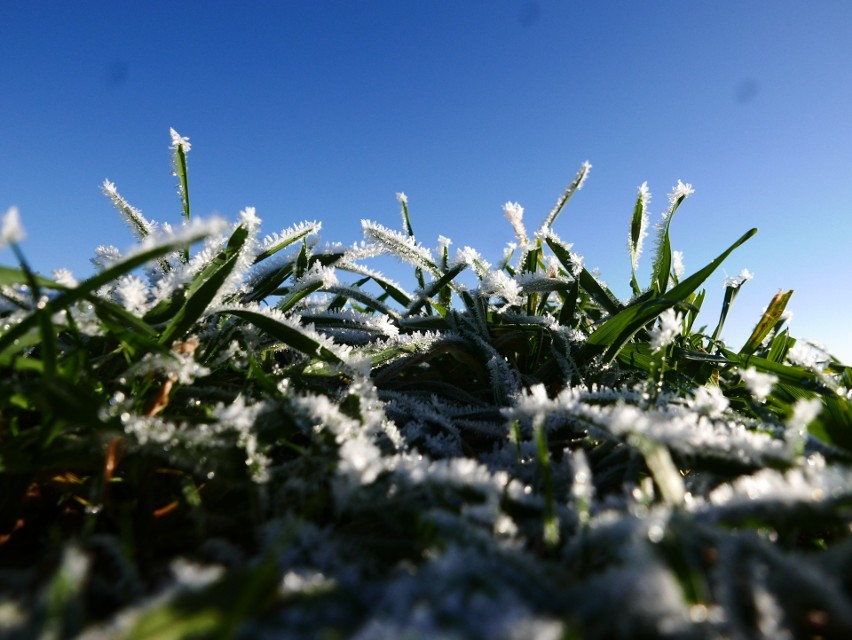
<point x="226" y="435"/>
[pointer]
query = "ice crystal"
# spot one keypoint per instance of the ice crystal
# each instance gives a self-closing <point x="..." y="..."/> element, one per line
<point x="12" y="231"/>
<point x="805" y="411"/>
<point x="498" y="283"/>
<point x="680" y="192"/>
<point x="180" y="141"/>
<point x="241" y="417"/>
<point x="64" y="277"/>
<point x="677" y="263"/>
<point x="132" y="292"/>
<point x="758" y="383"/>
<point x="666" y="330"/>
<point x="709" y="400"/>
<point x="472" y="258"/>
<point x="514" y="213"/>
<point x="804" y="355"/>
<point x="735" y="282"/>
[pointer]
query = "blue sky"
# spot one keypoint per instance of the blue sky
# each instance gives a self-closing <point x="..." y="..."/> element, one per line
<point x="324" y="110"/>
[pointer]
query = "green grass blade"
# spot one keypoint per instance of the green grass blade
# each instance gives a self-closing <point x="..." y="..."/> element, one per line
<point x="638" y="223"/>
<point x="663" y="259"/>
<point x="618" y="329"/>
<point x="767" y="322"/>
<point x="204" y="288"/>
<point x="603" y="296"/>
<point x="287" y="333"/>
<point x="436" y="286"/>
<point x="87" y="287"/>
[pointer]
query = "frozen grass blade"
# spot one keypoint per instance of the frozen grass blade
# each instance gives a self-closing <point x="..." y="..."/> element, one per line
<point x="576" y="185"/>
<point x="406" y="222"/>
<point x="287" y="238"/>
<point x="611" y="336"/>
<point x="603" y="296"/>
<point x="767" y="322"/>
<point x="140" y="225"/>
<point x="638" y="232"/>
<point x="181" y="147"/>
<point x="663" y="258"/>
<point x="70" y="296"/>
<point x="285" y="332"/>
<point x="205" y="287"/>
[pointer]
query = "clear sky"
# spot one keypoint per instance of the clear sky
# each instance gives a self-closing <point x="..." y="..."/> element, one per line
<point x="324" y="110"/>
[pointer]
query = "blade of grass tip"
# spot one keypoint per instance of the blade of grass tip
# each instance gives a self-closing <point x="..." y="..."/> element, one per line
<point x="663" y="258"/>
<point x="181" y="147"/>
<point x="48" y="337"/>
<point x="610" y="336"/>
<point x="445" y="294"/>
<point x="769" y="319"/>
<point x="406" y="223"/>
<point x="638" y="232"/>
<point x="730" y="295"/>
<point x="576" y="185"/>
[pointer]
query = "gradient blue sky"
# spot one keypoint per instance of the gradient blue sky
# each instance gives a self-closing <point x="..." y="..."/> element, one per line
<point x="323" y="110"/>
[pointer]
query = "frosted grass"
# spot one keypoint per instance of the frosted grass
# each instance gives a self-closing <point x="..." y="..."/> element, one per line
<point x="264" y="436"/>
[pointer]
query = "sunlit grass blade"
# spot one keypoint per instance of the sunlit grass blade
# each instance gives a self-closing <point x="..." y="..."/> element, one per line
<point x="730" y="295"/>
<point x="618" y="329"/>
<point x="767" y="322"/>
<point x="662" y="265"/>
<point x="638" y="225"/>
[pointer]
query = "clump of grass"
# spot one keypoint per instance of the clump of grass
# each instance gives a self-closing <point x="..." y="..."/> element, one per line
<point x="267" y="437"/>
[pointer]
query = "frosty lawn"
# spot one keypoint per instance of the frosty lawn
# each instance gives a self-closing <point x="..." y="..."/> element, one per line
<point x="221" y="434"/>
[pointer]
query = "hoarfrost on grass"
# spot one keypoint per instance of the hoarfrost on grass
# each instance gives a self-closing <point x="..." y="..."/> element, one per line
<point x="667" y="328"/>
<point x="758" y="383"/>
<point x="12" y="231"/>
<point x="180" y="141"/>
<point x="635" y="245"/>
<point x="677" y="264"/>
<point x="514" y="213"/>
<point x="735" y="282"/>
